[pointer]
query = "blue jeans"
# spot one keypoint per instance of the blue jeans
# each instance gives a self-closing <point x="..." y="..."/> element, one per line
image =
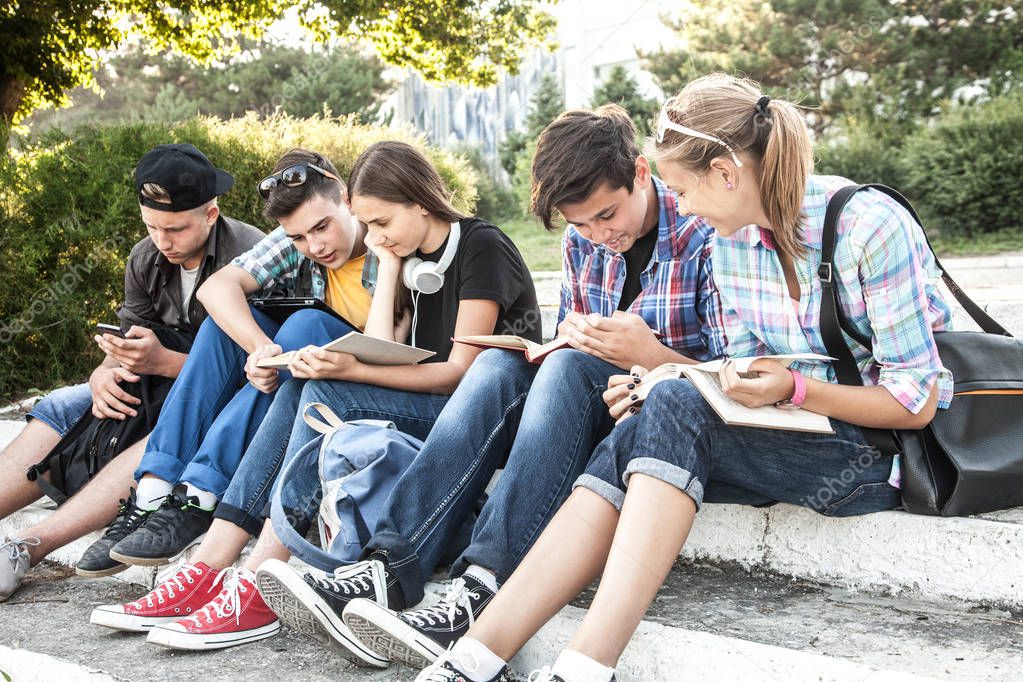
<point x="677" y="438"/>
<point x="212" y="412"/>
<point x="284" y="432"/>
<point x="61" y="409"/>
<point x="541" y="424"/>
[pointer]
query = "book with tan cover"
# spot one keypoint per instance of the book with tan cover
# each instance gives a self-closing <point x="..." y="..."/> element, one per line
<point x="704" y="377"/>
<point x="367" y="349"/>
<point x="535" y="352"/>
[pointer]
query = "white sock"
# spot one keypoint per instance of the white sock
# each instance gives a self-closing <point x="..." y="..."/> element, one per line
<point x="474" y="660"/>
<point x="484" y="576"/>
<point x="573" y="666"/>
<point x="150" y="492"/>
<point x="207" y="500"/>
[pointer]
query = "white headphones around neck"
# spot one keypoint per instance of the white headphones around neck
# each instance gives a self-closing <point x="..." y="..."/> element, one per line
<point x="428" y="277"/>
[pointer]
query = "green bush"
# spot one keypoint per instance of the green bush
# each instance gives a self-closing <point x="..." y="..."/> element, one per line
<point x="69" y="217"/>
<point x="966" y="168"/>
<point x="861" y="155"/>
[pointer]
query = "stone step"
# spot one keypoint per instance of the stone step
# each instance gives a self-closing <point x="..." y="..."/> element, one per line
<point x="707" y="624"/>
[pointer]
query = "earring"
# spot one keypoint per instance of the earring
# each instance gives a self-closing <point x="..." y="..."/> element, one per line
<point x="729" y="185"/>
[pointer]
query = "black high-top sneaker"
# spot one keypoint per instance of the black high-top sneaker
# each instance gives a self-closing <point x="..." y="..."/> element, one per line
<point x="165" y="533"/>
<point x="96" y="561"/>
<point x="313" y="605"/>
<point x="418" y="638"/>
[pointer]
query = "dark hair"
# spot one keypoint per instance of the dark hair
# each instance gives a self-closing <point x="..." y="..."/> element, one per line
<point x="398" y="173"/>
<point x="579" y="151"/>
<point x="283" y="201"/>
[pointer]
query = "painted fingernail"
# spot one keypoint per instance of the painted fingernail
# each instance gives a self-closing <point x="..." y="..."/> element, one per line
<point x="632" y="410"/>
<point x="633" y="397"/>
<point x="638" y="379"/>
<point x="631" y="386"/>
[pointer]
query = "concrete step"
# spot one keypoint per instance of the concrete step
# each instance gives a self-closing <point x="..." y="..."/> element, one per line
<point x="705" y="625"/>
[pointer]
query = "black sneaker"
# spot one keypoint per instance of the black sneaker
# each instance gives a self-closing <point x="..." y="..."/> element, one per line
<point x="444" y="670"/>
<point x="313" y="606"/>
<point x="165" y="533"/>
<point x="418" y="638"/>
<point x="96" y="561"/>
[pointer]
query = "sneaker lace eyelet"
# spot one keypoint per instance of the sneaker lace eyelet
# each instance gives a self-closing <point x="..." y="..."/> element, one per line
<point x="188" y="610"/>
<point x="177" y="609"/>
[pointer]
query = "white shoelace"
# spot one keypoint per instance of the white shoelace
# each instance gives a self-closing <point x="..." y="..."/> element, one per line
<point x="229" y="599"/>
<point x="18" y="545"/>
<point x="349" y="579"/>
<point x="165" y="590"/>
<point x="544" y="674"/>
<point x="437" y="673"/>
<point x="457" y="597"/>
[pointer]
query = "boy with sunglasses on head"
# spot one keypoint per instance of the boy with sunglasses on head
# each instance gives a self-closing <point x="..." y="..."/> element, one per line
<point x="188" y="240"/>
<point x="317" y="252"/>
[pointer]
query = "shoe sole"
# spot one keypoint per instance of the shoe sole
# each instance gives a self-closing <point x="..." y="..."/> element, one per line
<point x="102" y="573"/>
<point x="126" y="622"/>
<point x="380" y="630"/>
<point x="301" y="609"/>
<point x="192" y="641"/>
<point x="154" y="561"/>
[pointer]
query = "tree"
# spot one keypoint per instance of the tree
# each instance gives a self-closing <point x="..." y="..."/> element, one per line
<point x="52" y="46"/>
<point x="621" y="88"/>
<point x="544" y="106"/>
<point x="872" y="59"/>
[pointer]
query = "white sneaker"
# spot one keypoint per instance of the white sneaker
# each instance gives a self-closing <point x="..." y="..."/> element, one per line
<point x="14" y="562"/>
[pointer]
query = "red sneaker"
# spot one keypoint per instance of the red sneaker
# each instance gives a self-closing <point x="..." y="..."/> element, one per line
<point x="237" y="615"/>
<point x="185" y="592"/>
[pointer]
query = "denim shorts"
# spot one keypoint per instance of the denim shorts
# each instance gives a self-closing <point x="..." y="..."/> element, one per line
<point x="61" y="409"/>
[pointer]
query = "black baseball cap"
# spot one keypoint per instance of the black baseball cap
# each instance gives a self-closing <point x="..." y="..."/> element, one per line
<point x="185" y="172"/>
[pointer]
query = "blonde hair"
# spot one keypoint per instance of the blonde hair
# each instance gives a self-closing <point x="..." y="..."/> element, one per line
<point x="778" y="143"/>
<point x="155" y="192"/>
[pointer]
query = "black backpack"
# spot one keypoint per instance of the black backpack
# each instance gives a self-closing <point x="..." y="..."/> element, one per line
<point x="92" y="443"/>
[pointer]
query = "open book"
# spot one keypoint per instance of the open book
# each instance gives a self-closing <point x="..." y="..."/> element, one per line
<point x="367" y="349"/>
<point x="535" y="352"/>
<point x="704" y="377"/>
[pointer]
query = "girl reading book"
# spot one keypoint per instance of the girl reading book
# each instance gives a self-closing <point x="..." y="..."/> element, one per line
<point x="743" y="161"/>
<point x="464" y="277"/>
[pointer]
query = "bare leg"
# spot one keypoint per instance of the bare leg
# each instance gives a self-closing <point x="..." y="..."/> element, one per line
<point x="28" y="447"/>
<point x="565" y="559"/>
<point x="222" y="545"/>
<point x="92" y="508"/>
<point x="268" y="546"/>
<point x="655" y="522"/>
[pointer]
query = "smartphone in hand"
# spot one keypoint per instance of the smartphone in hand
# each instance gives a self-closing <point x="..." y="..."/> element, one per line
<point x="112" y="329"/>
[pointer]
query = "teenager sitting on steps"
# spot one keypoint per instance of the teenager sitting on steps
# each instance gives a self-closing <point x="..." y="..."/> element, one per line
<point x="634" y="268"/>
<point x="471" y="280"/>
<point x="744" y="162"/>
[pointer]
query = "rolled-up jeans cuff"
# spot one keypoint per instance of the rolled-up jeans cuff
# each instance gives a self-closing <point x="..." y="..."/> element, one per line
<point x="250" y="524"/>
<point x="602" y="488"/>
<point x="667" y="472"/>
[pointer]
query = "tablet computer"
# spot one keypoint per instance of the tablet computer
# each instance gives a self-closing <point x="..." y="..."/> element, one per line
<point x="280" y="309"/>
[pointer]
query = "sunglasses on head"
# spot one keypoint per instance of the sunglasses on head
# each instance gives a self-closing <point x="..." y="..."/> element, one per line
<point x="292" y="176"/>
<point x="664" y="124"/>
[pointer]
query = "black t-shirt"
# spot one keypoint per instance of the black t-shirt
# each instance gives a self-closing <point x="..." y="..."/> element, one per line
<point x="486" y="266"/>
<point x="636" y="260"/>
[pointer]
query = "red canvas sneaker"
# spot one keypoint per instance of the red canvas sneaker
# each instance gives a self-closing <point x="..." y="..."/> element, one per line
<point x="237" y="615"/>
<point x="189" y="589"/>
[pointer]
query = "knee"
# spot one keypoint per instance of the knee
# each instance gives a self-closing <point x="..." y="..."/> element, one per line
<point x="300" y="329"/>
<point x="563" y="367"/>
<point x="496" y="367"/>
<point x="210" y="332"/>
<point x="679" y="399"/>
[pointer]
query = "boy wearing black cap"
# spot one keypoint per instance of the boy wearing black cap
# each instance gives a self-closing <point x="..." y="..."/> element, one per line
<point x="177" y="188"/>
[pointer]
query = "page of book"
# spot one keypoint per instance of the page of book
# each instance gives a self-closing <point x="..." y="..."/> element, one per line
<point x="367" y="349"/>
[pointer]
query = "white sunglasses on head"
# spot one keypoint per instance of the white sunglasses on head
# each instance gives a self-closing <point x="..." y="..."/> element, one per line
<point x="664" y="124"/>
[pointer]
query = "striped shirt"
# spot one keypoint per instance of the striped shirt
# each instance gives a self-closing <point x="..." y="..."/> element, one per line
<point x="275" y="264"/>
<point x="678" y="298"/>
<point x="887" y="287"/>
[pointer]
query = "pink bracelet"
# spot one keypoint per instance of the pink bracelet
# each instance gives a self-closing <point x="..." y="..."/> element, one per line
<point x="799" y="391"/>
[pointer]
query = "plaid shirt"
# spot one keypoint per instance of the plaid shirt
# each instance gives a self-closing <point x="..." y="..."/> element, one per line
<point x="887" y="285"/>
<point x="275" y="263"/>
<point x="678" y="298"/>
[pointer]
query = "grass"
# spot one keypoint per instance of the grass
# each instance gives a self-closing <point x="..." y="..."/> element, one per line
<point x="982" y="244"/>
<point x="540" y="249"/>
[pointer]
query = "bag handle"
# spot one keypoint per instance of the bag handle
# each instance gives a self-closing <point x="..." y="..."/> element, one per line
<point x="329" y="423"/>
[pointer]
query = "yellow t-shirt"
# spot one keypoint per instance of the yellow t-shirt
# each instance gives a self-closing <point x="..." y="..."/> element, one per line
<point x="345" y="293"/>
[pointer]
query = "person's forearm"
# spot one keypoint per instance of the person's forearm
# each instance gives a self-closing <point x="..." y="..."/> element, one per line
<point x="660" y="356"/>
<point x="380" y="322"/>
<point x="437" y="377"/>
<point x="869" y="406"/>
<point x="171" y="364"/>
<point x="226" y="303"/>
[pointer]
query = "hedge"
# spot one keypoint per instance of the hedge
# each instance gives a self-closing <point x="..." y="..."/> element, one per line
<point x="69" y="217"/>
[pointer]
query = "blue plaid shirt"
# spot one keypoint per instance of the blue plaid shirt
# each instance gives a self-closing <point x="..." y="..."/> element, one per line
<point x="678" y="298"/>
<point x="275" y="263"/>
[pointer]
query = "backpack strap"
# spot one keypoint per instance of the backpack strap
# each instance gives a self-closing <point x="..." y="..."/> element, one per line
<point x="328" y="422"/>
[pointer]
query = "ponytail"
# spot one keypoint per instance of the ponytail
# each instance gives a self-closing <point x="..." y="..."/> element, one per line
<point x="771" y="133"/>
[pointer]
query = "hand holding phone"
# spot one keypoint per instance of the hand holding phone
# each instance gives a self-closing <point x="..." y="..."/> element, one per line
<point x="112" y="329"/>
